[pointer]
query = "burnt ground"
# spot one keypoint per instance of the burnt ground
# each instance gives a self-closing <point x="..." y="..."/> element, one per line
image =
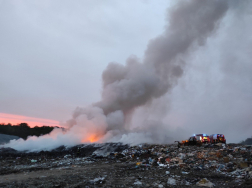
<point x="117" y="165"/>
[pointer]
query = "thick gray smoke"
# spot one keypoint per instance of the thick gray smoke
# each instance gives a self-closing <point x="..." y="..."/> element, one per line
<point x="132" y="85"/>
<point x="126" y="87"/>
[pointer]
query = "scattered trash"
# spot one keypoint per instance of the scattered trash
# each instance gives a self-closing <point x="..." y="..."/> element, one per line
<point x="205" y="183"/>
<point x="171" y="181"/>
<point x="243" y="164"/>
<point x="97" y="180"/>
<point x="138" y="163"/>
<point x="66" y="156"/>
<point x="167" y="160"/>
<point x="219" y="144"/>
<point x="185" y="172"/>
<point x="225" y="159"/>
<point x="184" y="182"/>
<point x="135" y="165"/>
<point x="138" y="183"/>
<point x="181" y="155"/>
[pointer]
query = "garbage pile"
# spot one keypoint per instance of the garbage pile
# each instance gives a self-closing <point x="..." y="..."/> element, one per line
<point x="119" y="165"/>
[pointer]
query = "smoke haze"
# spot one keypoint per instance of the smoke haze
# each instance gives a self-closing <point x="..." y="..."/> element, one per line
<point x="133" y="99"/>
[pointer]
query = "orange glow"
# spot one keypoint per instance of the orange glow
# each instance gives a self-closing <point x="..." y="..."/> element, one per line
<point x="31" y="121"/>
<point x="92" y="138"/>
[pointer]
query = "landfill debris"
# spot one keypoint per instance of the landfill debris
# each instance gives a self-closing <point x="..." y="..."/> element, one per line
<point x="120" y="165"/>
<point x="204" y="183"/>
<point x="171" y="181"/>
<point x="184" y="182"/>
<point x="97" y="180"/>
<point x="219" y="144"/>
<point x="138" y="183"/>
<point x="243" y="165"/>
<point x="185" y="172"/>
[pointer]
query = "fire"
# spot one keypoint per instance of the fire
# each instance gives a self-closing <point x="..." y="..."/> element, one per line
<point x="92" y="138"/>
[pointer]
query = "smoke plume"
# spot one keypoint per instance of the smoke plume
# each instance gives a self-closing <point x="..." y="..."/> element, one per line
<point x="138" y="82"/>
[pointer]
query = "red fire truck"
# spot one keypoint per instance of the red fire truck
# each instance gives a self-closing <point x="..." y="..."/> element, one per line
<point x="217" y="138"/>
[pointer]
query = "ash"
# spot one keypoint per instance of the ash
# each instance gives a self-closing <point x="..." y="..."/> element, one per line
<point x="119" y="165"/>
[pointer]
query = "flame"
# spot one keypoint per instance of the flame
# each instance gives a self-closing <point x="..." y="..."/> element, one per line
<point x="92" y="138"/>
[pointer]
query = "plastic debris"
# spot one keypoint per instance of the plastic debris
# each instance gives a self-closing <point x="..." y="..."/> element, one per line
<point x="138" y="183"/>
<point x="185" y="172"/>
<point x="205" y="183"/>
<point x="171" y="181"/>
<point x="167" y="164"/>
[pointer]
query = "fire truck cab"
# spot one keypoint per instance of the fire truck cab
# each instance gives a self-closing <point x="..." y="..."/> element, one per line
<point x="217" y="138"/>
<point x="197" y="139"/>
<point x="204" y="138"/>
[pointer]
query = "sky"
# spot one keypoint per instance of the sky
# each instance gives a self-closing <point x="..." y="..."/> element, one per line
<point x="53" y="54"/>
<point x="31" y="121"/>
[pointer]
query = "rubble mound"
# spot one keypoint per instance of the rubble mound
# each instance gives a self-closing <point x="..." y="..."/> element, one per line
<point x="120" y="165"/>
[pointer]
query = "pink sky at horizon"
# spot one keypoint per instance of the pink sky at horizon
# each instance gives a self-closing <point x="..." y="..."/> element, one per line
<point x="31" y="121"/>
